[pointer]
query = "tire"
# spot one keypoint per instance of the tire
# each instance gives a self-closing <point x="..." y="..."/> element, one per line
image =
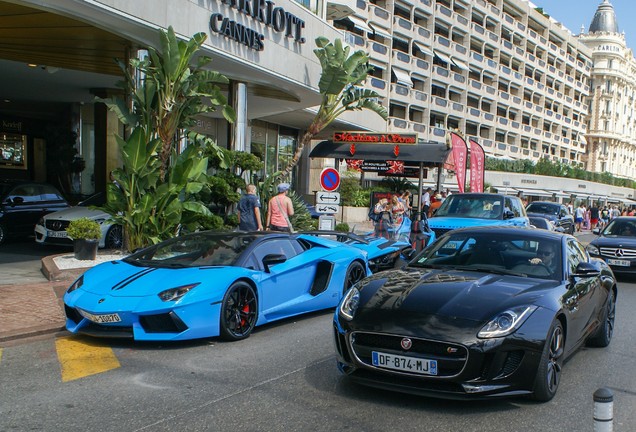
<point x="3" y="234"/>
<point x="548" y="376"/>
<point x="239" y="312"/>
<point x="114" y="238"/>
<point x="355" y="273"/>
<point x="603" y="334"/>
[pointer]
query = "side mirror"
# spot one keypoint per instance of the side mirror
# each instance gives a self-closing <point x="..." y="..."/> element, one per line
<point x="596" y="231"/>
<point x="17" y="200"/>
<point x="585" y="270"/>
<point x="273" y="259"/>
<point x="508" y="214"/>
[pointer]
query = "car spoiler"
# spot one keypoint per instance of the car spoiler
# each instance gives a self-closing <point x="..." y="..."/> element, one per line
<point x="340" y="235"/>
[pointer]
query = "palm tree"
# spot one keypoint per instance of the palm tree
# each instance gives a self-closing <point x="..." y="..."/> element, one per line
<point x="340" y="80"/>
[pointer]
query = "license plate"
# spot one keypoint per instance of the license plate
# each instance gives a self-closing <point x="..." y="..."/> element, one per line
<point x="58" y="234"/>
<point x="101" y="319"/>
<point x="403" y="363"/>
<point x="622" y="263"/>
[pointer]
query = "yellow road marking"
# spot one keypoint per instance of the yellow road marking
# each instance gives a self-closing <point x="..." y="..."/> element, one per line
<point x="0" y="354"/>
<point x="80" y="358"/>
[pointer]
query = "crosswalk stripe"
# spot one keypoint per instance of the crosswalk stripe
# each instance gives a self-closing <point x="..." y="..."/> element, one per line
<point x="80" y="358"/>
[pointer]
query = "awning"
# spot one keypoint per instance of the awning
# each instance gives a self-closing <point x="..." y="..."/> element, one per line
<point x="459" y="63"/>
<point x="533" y="192"/>
<point x="443" y="57"/>
<point x="380" y="31"/>
<point x="360" y="23"/>
<point x="402" y="77"/>
<point x="430" y="153"/>
<point x="423" y="48"/>
<point x="559" y="194"/>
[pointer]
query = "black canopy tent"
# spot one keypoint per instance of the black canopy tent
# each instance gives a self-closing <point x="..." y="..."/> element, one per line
<point x="423" y="154"/>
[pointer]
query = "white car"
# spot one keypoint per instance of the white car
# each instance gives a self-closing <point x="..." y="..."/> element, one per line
<point x="51" y="228"/>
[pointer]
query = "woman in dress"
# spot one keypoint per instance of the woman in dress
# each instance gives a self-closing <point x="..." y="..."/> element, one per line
<point x="397" y="213"/>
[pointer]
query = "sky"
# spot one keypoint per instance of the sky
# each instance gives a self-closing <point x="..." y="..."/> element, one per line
<point x="574" y="13"/>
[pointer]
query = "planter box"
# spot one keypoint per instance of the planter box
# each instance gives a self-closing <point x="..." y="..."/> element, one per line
<point x="85" y="249"/>
<point x="353" y="214"/>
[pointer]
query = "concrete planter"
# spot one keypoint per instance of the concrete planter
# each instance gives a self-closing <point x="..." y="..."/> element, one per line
<point x="352" y="215"/>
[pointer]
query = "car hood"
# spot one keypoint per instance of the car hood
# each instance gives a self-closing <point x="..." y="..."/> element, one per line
<point x="78" y="212"/>
<point x="464" y="295"/>
<point x="458" y="222"/>
<point x="120" y="279"/>
<point x="543" y="215"/>
<point x="614" y="241"/>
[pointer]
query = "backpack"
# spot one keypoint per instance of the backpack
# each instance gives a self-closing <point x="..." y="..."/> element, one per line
<point x="375" y="217"/>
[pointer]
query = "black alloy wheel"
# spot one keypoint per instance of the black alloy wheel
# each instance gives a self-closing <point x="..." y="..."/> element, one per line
<point x="355" y="273"/>
<point x="550" y="367"/>
<point x="603" y="334"/>
<point x="114" y="237"/>
<point x="238" y="312"/>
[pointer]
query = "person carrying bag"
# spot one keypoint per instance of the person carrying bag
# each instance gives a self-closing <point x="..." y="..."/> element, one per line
<point x="279" y="210"/>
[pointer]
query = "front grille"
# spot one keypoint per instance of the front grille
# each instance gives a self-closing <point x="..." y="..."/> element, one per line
<point x="513" y="360"/>
<point x="73" y="314"/>
<point x="614" y="252"/>
<point x="451" y="358"/>
<point x="440" y="231"/>
<point x="162" y="323"/>
<point x="57" y="225"/>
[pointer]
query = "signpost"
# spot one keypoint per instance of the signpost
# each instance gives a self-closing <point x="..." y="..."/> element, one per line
<point x="329" y="179"/>
<point x="327" y="201"/>
<point x="327" y="198"/>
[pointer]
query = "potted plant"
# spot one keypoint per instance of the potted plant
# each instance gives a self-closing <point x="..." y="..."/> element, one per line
<point x="85" y="234"/>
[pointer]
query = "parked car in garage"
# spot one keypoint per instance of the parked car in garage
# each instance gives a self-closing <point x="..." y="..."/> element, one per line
<point x="51" y="228"/>
<point x="557" y="213"/>
<point x="23" y="203"/>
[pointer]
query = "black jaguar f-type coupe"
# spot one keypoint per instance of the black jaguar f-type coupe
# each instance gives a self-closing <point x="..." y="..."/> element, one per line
<point x="482" y="312"/>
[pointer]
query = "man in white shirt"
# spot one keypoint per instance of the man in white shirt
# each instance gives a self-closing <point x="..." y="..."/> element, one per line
<point x="426" y="201"/>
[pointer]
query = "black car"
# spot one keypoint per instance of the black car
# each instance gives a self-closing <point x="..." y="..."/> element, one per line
<point x="544" y="223"/>
<point x="557" y="213"/>
<point x="616" y="244"/>
<point x="23" y="203"/>
<point x="482" y="312"/>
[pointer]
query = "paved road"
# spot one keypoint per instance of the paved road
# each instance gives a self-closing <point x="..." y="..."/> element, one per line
<point x="282" y="378"/>
<point x="20" y="261"/>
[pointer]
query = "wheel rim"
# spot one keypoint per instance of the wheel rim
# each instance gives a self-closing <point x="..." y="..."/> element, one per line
<point x="356" y="273"/>
<point x="611" y="315"/>
<point x="240" y="311"/>
<point x="553" y="374"/>
<point x="114" y="239"/>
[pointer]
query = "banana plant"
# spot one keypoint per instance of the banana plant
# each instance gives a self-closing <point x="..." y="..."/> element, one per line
<point x="340" y="86"/>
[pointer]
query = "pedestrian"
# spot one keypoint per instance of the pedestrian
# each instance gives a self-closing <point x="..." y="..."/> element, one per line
<point x="605" y="215"/>
<point x="406" y="200"/>
<point x="384" y="221"/>
<point x="594" y="216"/>
<point x="397" y="214"/>
<point x="435" y="205"/>
<point x="426" y="201"/>
<point x="249" y="210"/>
<point x="579" y="214"/>
<point x="279" y="210"/>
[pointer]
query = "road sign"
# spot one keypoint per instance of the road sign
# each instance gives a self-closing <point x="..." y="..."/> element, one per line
<point x="327" y="208"/>
<point x="326" y="223"/>
<point x="329" y="179"/>
<point x="327" y="198"/>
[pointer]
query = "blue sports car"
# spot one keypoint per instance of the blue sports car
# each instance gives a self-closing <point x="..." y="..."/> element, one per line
<point x="212" y="284"/>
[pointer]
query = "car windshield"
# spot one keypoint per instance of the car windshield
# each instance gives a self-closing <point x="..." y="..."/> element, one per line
<point x="515" y="253"/>
<point x="99" y="199"/>
<point x="620" y="228"/>
<point x="197" y="250"/>
<point x="471" y="206"/>
<point x="542" y="208"/>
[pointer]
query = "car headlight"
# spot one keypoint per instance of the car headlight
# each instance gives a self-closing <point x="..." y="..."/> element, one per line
<point x="174" y="294"/>
<point x="349" y="304"/>
<point x="592" y="250"/>
<point x="506" y="322"/>
<point x="384" y="259"/>
<point x="78" y="283"/>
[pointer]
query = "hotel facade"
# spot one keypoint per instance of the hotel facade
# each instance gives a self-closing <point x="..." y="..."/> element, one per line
<point x="499" y="71"/>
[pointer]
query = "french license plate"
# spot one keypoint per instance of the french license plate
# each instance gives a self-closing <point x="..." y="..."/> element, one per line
<point x="101" y="319"/>
<point x="403" y="363"/>
<point x="58" y="234"/>
<point x="616" y="262"/>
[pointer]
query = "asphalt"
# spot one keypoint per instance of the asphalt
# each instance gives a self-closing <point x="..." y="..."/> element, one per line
<point x="33" y="306"/>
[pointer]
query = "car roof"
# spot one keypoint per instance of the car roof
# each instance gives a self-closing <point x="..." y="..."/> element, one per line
<point x="505" y="229"/>
<point x="546" y="202"/>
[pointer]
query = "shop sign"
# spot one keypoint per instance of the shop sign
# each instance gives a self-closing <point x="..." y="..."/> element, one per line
<point x="265" y="12"/>
<point x="374" y="138"/>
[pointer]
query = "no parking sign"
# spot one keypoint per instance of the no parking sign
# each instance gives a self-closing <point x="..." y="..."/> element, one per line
<point x="329" y="179"/>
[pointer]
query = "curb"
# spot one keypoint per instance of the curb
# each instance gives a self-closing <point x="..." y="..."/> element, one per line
<point x="54" y="274"/>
